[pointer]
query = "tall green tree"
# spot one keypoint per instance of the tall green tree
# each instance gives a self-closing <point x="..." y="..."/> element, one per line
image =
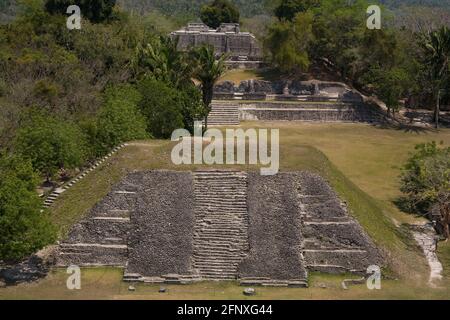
<point x="24" y="229"/>
<point x="50" y="143"/>
<point x="219" y="11"/>
<point x="288" y="42"/>
<point x="390" y="85"/>
<point x="208" y="69"/>
<point x="161" y="106"/>
<point x="436" y="54"/>
<point x="161" y="60"/>
<point x="119" y="120"/>
<point x="286" y="10"/>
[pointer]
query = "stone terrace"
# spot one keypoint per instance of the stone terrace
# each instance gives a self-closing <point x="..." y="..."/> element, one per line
<point x="334" y="242"/>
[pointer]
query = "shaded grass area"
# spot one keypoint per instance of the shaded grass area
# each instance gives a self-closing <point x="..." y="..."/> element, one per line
<point x="268" y="74"/>
<point x="238" y="75"/>
<point x="106" y="283"/>
<point x="361" y="162"/>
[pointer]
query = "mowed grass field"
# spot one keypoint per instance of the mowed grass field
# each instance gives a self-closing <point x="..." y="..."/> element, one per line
<point x="360" y="161"/>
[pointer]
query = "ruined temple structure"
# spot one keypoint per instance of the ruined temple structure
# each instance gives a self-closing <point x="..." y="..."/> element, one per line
<point x="242" y="47"/>
<point x="290" y="100"/>
<point x="181" y="227"/>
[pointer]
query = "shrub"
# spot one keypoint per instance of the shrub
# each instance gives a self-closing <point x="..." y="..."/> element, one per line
<point x="50" y="143"/>
<point x="119" y="119"/>
<point x="162" y="107"/>
<point x="425" y="176"/>
<point x="23" y="228"/>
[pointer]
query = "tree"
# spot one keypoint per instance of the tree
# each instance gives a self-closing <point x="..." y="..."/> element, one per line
<point x="161" y="60"/>
<point x="436" y="50"/>
<point x="219" y="11"/>
<point x="192" y="107"/>
<point x="24" y="229"/>
<point x="440" y="213"/>
<point x="161" y="106"/>
<point x="390" y="86"/>
<point x="95" y="10"/>
<point x="425" y="176"/>
<point x="50" y="143"/>
<point x="119" y="119"/>
<point x="288" y="43"/>
<point x="286" y="10"/>
<point x="207" y="70"/>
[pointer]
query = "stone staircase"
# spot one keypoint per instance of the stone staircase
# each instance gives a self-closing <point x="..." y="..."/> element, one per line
<point x="223" y="114"/>
<point x="221" y="223"/>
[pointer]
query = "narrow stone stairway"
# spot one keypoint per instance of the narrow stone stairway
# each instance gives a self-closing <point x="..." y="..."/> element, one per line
<point x="223" y="114"/>
<point x="221" y="223"/>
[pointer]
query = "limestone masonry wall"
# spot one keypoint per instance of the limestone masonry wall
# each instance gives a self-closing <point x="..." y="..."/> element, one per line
<point x="275" y="229"/>
<point x="162" y="225"/>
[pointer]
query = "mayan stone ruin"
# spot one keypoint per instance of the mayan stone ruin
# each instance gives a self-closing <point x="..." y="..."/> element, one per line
<point x="242" y="47"/>
<point x="180" y="227"/>
<point x="290" y="100"/>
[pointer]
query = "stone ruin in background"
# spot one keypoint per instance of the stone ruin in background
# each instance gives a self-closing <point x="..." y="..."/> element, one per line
<point x="242" y="47"/>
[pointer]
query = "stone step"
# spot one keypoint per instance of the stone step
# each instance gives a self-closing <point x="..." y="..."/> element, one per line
<point x="215" y="200"/>
<point x="208" y="271"/>
<point x="219" y="276"/>
<point x="227" y="190"/>
<point x="224" y="234"/>
<point x="220" y="231"/>
<point x="220" y="256"/>
<point x="215" y="263"/>
<point x="236" y="239"/>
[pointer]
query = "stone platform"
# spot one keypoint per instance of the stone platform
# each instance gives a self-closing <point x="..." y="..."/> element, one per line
<point x="180" y="227"/>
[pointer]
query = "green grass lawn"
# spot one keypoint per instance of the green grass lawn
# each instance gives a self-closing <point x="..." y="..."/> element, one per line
<point x="360" y="161"/>
<point x="238" y="75"/>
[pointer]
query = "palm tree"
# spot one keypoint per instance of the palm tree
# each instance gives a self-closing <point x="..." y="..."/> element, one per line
<point x="161" y="59"/>
<point x="208" y="69"/>
<point x="436" y="46"/>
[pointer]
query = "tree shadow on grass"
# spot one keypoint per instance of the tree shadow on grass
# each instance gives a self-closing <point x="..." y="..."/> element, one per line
<point x="408" y="128"/>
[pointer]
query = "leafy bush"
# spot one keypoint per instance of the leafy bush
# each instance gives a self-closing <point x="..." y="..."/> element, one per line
<point x="192" y="107"/>
<point x="119" y="119"/>
<point x="50" y="143"/>
<point x="23" y="228"/>
<point x="425" y="176"/>
<point x="161" y="105"/>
